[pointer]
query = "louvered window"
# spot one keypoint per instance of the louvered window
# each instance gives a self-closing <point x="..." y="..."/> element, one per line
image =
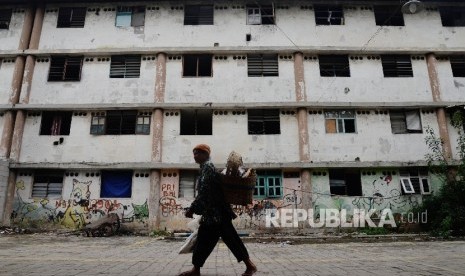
<point x="405" y="121"/>
<point x="452" y="16"/>
<point x="397" y="66"/>
<point x="458" y="66"/>
<point x="71" y="17"/>
<point x="389" y="16"/>
<point x="263" y="121"/>
<point x="334" y="66"/>
<point x="262" y="65"/>
<point x="125" y="66"/>
<point x="198" y="15"/>
<point x="197" y="66"/>
<point x="65" y="68"/>
<point x="47" y="184"/>
<point x="260" y="15"/>
<point x="5" y="18"/>
<point x="196" y="122"/>
<point x="130" y="16"/>
<point x="328" y="15"/>
<point x="187" y="183"/>
<point x="55" y="123"/>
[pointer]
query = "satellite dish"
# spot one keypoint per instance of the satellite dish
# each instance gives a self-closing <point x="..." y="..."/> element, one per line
<point x="412" y="7"/>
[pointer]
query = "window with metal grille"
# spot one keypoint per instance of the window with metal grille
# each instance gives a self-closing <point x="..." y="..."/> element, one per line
<point x="143" y="124"/>
<point x="55" y="123"/>
<point x="47" y="184"/>
<point x="389" y="15"/>
<point x="263" y="121"/>
<point x="5" y="18"/>
<point x="125" y="66"/>
<point x="197" y="66"/>
<point x="405" y="121"/>
<point x="452" y="16"/>
<point x="342" y="121"/>
<point x="328" y="15"/>
<point x="334" y="65"/>
<point x="116" y="184"/>
<point x="397" y="66"/>
<point x="458" y="66"/>
<point x="196" y="122"/>
<point x="198" y="15"/>
<point x="345" y="182"/>
<point x="188" y="183"/>
<point x="65" y="68"/>
<point x="71" y="17"/>
<point x="97" y="125"/>
<point x="269" y="184"/>
<point x="415" y="181"/>
<point x="130" y="16"/>
<point x="262" y="65"/>
<point x="260" y="15"/>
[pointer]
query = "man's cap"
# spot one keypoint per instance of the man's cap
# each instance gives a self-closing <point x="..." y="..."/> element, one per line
<point x="202" y="147"/>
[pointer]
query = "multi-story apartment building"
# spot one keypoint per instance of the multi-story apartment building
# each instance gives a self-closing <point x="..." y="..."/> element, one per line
<point x="102" y="103"/>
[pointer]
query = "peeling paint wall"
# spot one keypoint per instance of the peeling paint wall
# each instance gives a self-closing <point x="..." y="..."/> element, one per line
<point x="6" y="76"/>
<point x="10" y="38"/>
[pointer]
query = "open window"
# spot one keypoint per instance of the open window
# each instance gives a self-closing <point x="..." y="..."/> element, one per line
<point x="397" y="66"/>
<point x="198" y="15"/>
<point x="125" y="66"/>
<point x="260" y="15"/>
<point x="55" y="123"/>
<point x="407" y="186"/>
<point x="345" y="182"/>
<point x="116" y="184"/>
<point x="334" y="65"/>
<point x="262" y="65"/>
<point x="132" y="16"/>
<point x="269" y="184"/>
<point x="328" y="15"/>
<point x="263" y="121"/>
<point x="65" y="68"/>
<point x="47" y="184"/>
<point x="405" y="121"/>
<point x="71" y="17"/>
<point x="188" y="183"/>
<point x="197" y="66"/>
<point x="196" y="122"/>
<point x="5" y="18"/>
<point x="389" y="15"/>
<point x="452" y="16"/>
<point x="458" y="66"/>
<point x="340" y="121"/>
<point x="415" y="181"/>
<point x="121" y="122"/>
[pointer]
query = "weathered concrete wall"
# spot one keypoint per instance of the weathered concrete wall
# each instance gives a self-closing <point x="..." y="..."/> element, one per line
<point x="454" y="136"/>
<point x="4" y="171"/>
<point x="10" y="38"/>
<point x="6" y="76"/>
<point x="452" y="89"/>
<point x="80" y="203"/>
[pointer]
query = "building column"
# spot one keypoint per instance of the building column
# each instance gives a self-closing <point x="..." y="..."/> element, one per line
<point x="9" y="199"/>
<point x="440" y="112"/>
<point x="154" y="200"/>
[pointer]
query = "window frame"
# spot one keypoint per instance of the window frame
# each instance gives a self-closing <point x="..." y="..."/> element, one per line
<point x="397" y="113"/>
<point x="198" y="18"/>
<point x="198" y="58"/>
<point x="457" y="64"/>
<point x="267" y="118"/>
<point x="185" y="114"/>
<point x="125" y="66"/>
<point x="388" y="15"/>
<point x="265" y="18"/>
<point x="5" y="18"/>
<point x="63" y="129"/>
<point x="334" y="176"/>
<point x="393" y="68"/>
<point x="48" y="174"/>
<point x="320" y="10"/>
<point x="144" y="127"/>
<point x="182" y="176"/>
<point x="99" y="128"/>
<point x="65" y="66"/>
<point x="266" y="176"/>
<point x="73" y="20"/>
<point x="410" y="189"/>
<point x="133" y="11"/>
<point x="334" y="65"/>
<point x="420" y="174"/>
<point x="340" y="120"/>
<point x="262" y="65"/>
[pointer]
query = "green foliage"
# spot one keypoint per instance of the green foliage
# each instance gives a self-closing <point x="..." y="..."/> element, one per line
<point x="374" y="231"/>
<point x="160" y="233"/>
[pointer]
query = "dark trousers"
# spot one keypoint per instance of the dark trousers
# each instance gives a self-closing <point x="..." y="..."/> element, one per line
<point x="208" y="237"/>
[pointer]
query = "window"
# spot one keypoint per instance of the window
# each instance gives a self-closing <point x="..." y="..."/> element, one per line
<point x="415" y="181"/>
<point x="65" y="68"/>
<point x="97" y="125"/>
<point x="269" y="184"/>
<point x="55" y="123"/>
<point x="345" y="182"/>
<point x="143" y="123"/>
<point x="5" y="18"/>
<point x="47" y="184"/>
<point x="397" y="66"/>
<point x="334" y="65"/>
<point x="260" y="15"/>
<point x="340" y="121"/>
<point x="198" y="15"/>
<point x="116" y="184"/>
<point x="130" y="16"/>
<point x="458" y="66"/>
<point x="197" y="66"/>
<point x="405" y="121"/>
<point x="262" y="65"/>
<point x="263" y="121"/>
<point x="196" y="122"/>
<point x="452" y="16"/>
<point x="188" y="183"/>
<point x="125" y="66"/>
<point x="71" y="17"/>
<point x="120" y="122"/>
<point x="328" y="15"/>
<point x="389" y="15"/>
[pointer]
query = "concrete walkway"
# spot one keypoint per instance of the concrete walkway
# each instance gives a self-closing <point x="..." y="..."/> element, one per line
<point x="50" y="254"/>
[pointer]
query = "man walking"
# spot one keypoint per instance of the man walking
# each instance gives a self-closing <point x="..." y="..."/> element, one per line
<point x="216" y="217"/>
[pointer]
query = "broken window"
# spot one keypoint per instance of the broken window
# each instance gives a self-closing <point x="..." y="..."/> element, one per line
<point x="5" y="18"/>
<point x="452" y="16"/>
<point x="269" y="184"/>
<point x="116" y="184"/>
<point x="263" y="121"/>
<point x="342" y="121"/>
<point x="415" y="181"/>
<point x="198" y="15"/>
<point x="334" y="65"/>
<point x="143" y="123"/>
<point x="188" y="183"/>
<point x="71" y="17"/>
<point x="130" y="16"/>
<point x="125" y="66"/>
<point x="97" y="125"/>
<point x="197" y="66"/>
<point x="196" y="122"/>
<point x="458" y="66"/>
<point x="345" y="182"/>
<point x="65" y="68"/>
<point x="260" y="15"/>
<point x="55" y="123"/>
<point x="262" y="65"/>
<point x="397" y="66"/>
<point x="405" y="121"/>
<point x="388" y="15"/>
<point x="328" y="15"/>
<point x="47" y="184"/>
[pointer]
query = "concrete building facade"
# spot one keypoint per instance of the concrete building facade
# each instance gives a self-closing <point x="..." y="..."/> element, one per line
<point x="102" y="102"/>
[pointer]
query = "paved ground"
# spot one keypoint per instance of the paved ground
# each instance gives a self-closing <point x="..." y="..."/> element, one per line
<point x="71" y="255"/>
